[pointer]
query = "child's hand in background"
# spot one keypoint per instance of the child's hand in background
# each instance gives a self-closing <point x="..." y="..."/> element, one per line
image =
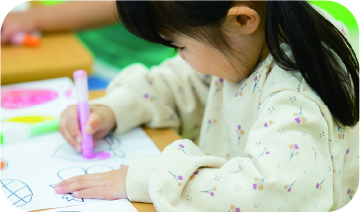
<point x="17" y="22"/>
<point x="100" y="122"/>
<point x="110" y="185"/>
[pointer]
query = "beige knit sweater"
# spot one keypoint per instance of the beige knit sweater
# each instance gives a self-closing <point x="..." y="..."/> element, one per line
<point x="266" y="143"/>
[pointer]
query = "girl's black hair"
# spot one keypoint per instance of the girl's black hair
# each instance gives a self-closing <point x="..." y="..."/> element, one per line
<point x="312" y="38"/>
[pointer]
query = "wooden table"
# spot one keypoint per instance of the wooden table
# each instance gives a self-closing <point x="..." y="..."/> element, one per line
<point x="58" y="56"/>
<point x="161" y="138"/>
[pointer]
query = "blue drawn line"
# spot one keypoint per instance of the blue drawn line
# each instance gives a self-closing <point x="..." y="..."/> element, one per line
<point x="72" y="198"/>
<point x="14" y="193"/>
<point x="6" y="184"/>
<point x="110" y="140"/>
<point x="85" y="170"/>
<point x="22" y="199"/>
<point x="58" y="174"/>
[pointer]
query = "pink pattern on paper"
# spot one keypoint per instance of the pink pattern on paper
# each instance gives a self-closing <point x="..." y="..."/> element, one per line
<point x="102" y="155"/>
<point x="68" y="93"/>
<point x="13" y="99"/>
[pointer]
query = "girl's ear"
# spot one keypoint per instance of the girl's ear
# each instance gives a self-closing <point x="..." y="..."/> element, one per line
<point x="245" y="17"/>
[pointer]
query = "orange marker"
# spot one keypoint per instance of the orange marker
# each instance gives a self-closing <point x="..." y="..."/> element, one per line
<point x="3" y="165"/>
<point x="24" y="39"/>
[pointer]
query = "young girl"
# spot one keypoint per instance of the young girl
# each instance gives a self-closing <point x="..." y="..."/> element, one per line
<point x="270" y="87"/>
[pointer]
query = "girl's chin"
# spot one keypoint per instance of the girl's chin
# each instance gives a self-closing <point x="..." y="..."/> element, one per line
<point x="233" y="79"/>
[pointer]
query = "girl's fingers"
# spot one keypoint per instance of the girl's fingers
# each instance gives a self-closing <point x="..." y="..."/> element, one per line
<point x="78" y="185"/>
<point x="93" y="124"/>
<point x="100" y="192"/>
<point x="74" y="131"/>
<point x="69" y="127"/>
<point x="80" y="178"/>
<point x="72" y="125"/>
<point x="109" y="185"/>
<point x="68" y="138"/>
<point x="99" y="135"/>
<point x="123" y="166"/>
<point x="6" y="33"/>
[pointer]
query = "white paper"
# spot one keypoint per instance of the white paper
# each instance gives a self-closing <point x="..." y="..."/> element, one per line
<point x="42" y="161"/>
<point x="109" y="206"/>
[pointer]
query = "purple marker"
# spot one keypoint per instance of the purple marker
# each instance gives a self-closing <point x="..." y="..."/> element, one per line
<point x="87" y="145"/>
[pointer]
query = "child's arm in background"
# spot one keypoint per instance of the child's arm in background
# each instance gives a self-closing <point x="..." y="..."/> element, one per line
<point x="169" y="95"/>
<point x="76" y="15"/>
<point x="287" y="171"/>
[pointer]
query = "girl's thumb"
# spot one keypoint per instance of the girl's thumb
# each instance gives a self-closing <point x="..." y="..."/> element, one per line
<point x="93" y="124"/>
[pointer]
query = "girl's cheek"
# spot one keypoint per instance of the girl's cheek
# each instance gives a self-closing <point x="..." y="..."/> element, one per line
<point x="197" y="63"/>
<point x="201" y="68"/>
<point x="182" y="55"/>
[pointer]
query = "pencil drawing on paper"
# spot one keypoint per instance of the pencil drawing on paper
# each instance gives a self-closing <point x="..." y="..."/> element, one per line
<point x="70" y="172"/>
<point x="109" y="145"/>
<point x="16" y="191"/>
<point x="71" y="197"/>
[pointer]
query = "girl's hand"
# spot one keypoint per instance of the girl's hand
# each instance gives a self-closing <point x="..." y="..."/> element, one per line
<point x="100" y="122"/>
<point x="17" y="22"/>
<point x="109" y="185"/>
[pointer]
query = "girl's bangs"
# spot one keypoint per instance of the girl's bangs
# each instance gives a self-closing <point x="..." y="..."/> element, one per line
<point x="146" y="19"/>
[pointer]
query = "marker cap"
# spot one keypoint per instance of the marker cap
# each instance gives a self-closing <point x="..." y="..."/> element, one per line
<point x="31" y="40"/>
<point x="79" y="74"/>
<point x="44" y="127"/>
<point x="2" y="139"/>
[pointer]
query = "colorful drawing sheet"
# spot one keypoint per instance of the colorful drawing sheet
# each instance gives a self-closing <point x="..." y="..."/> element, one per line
<point x="46" y="98"/>
<point x="30" y="169"/>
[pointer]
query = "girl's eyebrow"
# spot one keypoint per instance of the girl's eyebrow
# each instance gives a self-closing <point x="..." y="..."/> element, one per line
<point x="170" y="41"/>
<point x="166" y="38"/>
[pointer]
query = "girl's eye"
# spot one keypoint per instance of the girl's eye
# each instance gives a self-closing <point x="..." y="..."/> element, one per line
<point x="179" y="48"/>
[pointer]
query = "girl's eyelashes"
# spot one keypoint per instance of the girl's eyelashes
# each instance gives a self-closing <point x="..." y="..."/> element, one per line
<point x="179" y="48"/>
<point x="176" y="47"/>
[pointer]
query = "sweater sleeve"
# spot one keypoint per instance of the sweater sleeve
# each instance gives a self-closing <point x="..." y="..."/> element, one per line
<point x="338" y="24"/>
<point x="281" y="171"/>
<point x="169" y="95"/>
